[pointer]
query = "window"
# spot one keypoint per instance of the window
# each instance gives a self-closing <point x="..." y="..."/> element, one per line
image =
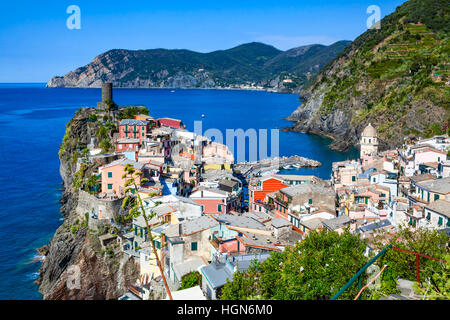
<point x="110" y="186"/>
<point x="219" y="208"/>
<point x="193" y="246"/>
<point x="109" y="174"/>
<point x="310" y="201"/>
<point x="143" y="128"/>
<point x="353" y="178"/>
<point x="448" y="222"/>
<point x="428" y="216"/>
<point x="436" y="197"/>
<point x="203" y="208"/>
<point x="440" y="221"/>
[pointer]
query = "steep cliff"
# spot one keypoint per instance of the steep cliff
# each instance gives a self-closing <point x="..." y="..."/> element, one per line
<point x="395" y="77"/>
<point x="103" y="275"/>
<point x="252" y="63"/>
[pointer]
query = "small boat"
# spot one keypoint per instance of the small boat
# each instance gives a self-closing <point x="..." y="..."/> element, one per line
<point x="203" y="115"/>
<point x="172" y="91"/>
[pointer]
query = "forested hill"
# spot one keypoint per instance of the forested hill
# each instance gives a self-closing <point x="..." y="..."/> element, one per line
<point x="395" y="77"/>
<point x="252" y="64"/>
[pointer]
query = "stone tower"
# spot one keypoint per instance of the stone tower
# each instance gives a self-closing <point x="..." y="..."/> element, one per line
<point x="369" y="141"/>
<point x="107" y="96"/>
<point x="107" y="92"/>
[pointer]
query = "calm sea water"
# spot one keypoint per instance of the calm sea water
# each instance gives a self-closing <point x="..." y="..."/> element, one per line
<point x="32" y="124"/>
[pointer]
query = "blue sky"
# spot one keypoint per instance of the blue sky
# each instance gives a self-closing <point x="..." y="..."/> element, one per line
<point x="35" y="43"/>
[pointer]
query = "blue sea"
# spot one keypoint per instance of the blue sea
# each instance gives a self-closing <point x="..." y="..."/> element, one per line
<point x="32" y="124"/>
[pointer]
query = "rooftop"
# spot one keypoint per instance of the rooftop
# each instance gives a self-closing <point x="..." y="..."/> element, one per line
<point x="124" y="162"/>
<point x="240" y="221"/>
<point x="313" y="224"/>
<point x="440" y="206"/>
<point x="438" y="186"/>
<point x="132" y="122"/>
<point x="337" y="222"/>
<point x="259" y="216"/>
<point x="217" y="274"/>
<point x="375" y="225"/>
<point x="306" y="188"/>
<point x="280" y="222"/>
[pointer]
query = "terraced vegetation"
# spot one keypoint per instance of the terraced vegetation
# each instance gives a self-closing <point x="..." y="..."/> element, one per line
<point x="386" y="76"/>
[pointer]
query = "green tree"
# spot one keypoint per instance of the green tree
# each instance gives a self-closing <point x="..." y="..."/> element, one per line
<point x="190" y="280"/>
<point x="437" y="287"/>
<point x="433" y="243"/>
<point x="92" y="185"/>
<point x="105" y="145"/>
<point x="314" y="269"/>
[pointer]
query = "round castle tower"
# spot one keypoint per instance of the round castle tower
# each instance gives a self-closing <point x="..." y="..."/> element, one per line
<point x="107" y="91"/>
<point x="369" y="141"/>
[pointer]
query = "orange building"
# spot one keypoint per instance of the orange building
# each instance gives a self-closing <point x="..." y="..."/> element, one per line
<point x="259" y="188"/>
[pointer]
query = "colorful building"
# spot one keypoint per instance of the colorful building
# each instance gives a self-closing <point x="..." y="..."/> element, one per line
<point x="112" y="181"/>
<point x="133" y="129"/>
<point x="259" y="188"/>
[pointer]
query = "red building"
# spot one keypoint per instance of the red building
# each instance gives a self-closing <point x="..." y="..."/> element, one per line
<point x="259" y="188"/>
<point x="171" y="123"/>
<point x="133" y="129"/>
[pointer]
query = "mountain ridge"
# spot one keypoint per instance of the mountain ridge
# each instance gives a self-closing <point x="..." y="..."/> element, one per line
<point x="254" y="64"/>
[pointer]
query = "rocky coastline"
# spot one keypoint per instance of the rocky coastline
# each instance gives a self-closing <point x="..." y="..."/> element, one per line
<point x="101" y="275"/>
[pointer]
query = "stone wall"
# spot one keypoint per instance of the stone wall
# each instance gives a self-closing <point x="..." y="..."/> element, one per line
<point x="103" y="208"/>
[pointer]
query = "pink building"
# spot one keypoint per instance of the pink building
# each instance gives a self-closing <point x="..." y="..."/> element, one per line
<point x="213" y="201"/>
<point x="428" y="155"/>
<point x="112" y="181"/>
<point x="133" y="129"/>
<point x="127" y="145"/>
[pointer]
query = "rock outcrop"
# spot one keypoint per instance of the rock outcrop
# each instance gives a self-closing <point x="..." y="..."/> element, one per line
<point x="103" y="275"/>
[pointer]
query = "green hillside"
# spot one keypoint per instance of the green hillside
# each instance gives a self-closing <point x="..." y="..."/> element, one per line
<point x="396" y="77"/>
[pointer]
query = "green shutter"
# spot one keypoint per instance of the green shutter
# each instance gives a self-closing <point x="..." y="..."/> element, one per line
<point x="440" y="221"/>
<point x="110" y="186"/>
<point x="219" y="208"/>
<point x="436" y="197"/>
<point x="310" y="201"/>
<point x="109" y="174"/>
<point x="193" y="246"/>
<point x="353" y="178"/>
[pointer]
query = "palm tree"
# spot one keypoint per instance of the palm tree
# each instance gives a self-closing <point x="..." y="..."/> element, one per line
<point x="138" y="209"/>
